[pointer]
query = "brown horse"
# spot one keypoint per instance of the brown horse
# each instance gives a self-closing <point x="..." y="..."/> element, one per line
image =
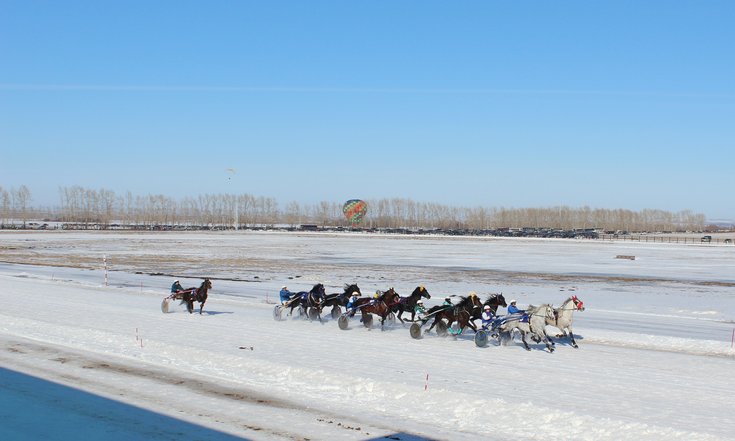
<point x="382" y="306"/>
<point x="189" y="296"/>
<point x="462" y="313"/>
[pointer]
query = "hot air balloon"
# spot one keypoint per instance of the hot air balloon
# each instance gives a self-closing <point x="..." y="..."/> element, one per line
<point x="354" y="210"/>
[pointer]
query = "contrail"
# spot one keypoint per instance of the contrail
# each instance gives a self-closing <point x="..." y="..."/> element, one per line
<point x="378" y="90"/>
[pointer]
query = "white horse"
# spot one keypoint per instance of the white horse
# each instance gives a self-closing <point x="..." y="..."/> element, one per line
<point x="536" y="325"/>
<point x="562" y="318"/>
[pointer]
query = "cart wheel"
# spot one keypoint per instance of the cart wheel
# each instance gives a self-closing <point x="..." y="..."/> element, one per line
<point x="415" y="330"/>
<point x="302" y="313"/>
<point x="277" y="310"/>
<point x="391" y="319"/>
<point x="343" y="322"/>
<point x="481" y="339"/>
<point x="441" y="328"/>
<point x="336" y="311"/>
<point x="367" y="320"/>
<point x="313" y="313"/>
<point x="164" y="305"/>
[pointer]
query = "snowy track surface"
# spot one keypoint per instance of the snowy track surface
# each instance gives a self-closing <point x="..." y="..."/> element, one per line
<point x="655" y="358"/>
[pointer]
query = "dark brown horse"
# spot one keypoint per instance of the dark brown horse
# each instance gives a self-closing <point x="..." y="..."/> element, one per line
<point x="191" y="295"/>
<point x="381" y="306"/>
<point x="409" y="303"/>
<point x="462" y="312"/>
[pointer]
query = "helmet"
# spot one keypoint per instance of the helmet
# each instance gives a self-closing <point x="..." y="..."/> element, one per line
<point x="472" y="294"/>
<point x="176" y="281"/>
<point x="512" y="301"/>
<point x="355" y="293"/>
<point x="420" y="302"/>
<point x="487" y="307"/>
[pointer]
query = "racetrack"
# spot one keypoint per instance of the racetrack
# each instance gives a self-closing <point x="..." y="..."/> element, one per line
<point x="653" y="363"/>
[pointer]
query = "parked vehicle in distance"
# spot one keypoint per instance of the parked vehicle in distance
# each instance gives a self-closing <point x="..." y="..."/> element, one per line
<point x="706" y="239"/>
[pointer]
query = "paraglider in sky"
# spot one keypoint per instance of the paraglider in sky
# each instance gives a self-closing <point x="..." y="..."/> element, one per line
<point x="354" y="210"/>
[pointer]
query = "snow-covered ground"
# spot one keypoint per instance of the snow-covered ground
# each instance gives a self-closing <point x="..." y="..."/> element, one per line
<point x="655" y="358"/>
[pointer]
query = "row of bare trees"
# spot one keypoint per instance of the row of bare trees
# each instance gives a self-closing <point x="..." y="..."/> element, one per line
<point x="103" y="208"/>
<point x="14" y="204"/>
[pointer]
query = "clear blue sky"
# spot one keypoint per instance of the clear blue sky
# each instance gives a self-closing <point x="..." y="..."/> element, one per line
<point x="619" y="104"/>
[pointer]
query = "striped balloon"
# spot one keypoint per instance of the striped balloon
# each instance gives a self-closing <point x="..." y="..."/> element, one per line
<point x="354" y="210"/>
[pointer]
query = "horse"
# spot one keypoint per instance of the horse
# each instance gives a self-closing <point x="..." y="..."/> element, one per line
<point x="462" y="312"/>
<point x="190" y="295"/>
<point x="382" y="306"/>
<point x="536" y="325"/>
<point x="340" y="299"/>
<point x="563" y="317"/>
<point x="493" y="301"/>
<point x="310" y="302"/>
<point x="409" y="303"/>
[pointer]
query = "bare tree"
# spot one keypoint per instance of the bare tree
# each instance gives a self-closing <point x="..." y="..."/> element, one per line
<point x="20" y="199"/>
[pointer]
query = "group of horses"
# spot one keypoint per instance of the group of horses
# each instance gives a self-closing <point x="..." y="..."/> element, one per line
<point x="448" y="319"/>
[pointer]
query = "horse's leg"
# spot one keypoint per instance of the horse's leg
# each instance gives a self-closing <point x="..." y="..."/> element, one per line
<point x="523" y="339"/>
<point x="571" y="336"/>
<point x="436" y="318"/>
<point x="400" y="313"/>
<point x="547" y="340"/>
<point x="201" y="307"/>
<point x="190" y="306"/>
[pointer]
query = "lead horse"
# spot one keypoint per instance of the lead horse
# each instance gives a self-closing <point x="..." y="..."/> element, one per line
<point x="562" y="318"/>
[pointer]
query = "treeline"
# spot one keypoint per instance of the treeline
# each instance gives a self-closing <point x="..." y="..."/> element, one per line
<point x="103" y="208"/>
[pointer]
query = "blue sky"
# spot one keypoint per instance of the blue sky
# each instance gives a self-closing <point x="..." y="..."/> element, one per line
<point x="623" y="104"/>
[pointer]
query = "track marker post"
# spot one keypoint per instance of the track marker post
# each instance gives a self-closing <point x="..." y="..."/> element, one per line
<point x="426" y="383"/>
<point x="104" y="260"/>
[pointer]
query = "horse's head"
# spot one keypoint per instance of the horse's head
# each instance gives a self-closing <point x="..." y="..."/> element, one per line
<point x="421" y="291"/>
<point x="496" y="300"/>
<point x="318" y="293"/>
<point x="390" y="296"/>
<point x="578" y="304"/>
<point x="206" y="285"/>
<point x="471" y="303"/>
<point x="546" y="310"/>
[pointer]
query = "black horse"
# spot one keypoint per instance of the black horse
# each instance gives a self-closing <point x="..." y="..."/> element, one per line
<point x="191" y="295"/>
<point x="494" y="301"/>
<point x="409" y="303"/>
<point x="340" y="299"/>
<point x="309" y="302"/>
